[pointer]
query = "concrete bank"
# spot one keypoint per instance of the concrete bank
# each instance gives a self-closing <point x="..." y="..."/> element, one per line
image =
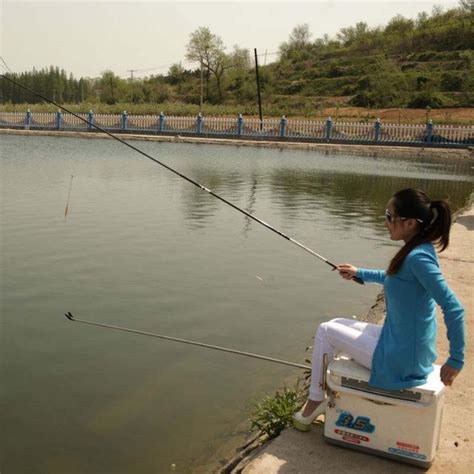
<point x="327" y="148"/>
<point x="295" y="452"/>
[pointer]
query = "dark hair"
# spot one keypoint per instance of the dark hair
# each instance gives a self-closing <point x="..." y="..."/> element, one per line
<point x="434" y="218"/>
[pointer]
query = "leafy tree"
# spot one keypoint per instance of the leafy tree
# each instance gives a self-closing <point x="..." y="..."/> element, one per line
<point x="422" y="19"/>
<point x="299" y="38"/>
<point x="111" y="88"/>
<point x="175" y="74"/>
<point x="208" y="50"/>
<point x="240" y="59"/>
<point x="221" y="63"/>
<point x="399" y="25"/>
<point x="354" y="34"/>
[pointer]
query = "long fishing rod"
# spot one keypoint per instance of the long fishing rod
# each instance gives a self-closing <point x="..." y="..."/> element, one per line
<point x="186" y="341"/>
<point x="195" y="183"/>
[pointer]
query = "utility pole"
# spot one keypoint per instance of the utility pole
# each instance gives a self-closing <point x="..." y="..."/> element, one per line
<point x="202" y="89"/>
<point x="131" y="71"/>
<point x="258" y="90"/>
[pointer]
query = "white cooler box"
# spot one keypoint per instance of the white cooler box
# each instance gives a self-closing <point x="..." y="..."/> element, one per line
<point x="398" y="424"/>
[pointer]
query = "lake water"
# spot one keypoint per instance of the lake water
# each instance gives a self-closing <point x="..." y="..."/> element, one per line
<point x="144" y="249"/>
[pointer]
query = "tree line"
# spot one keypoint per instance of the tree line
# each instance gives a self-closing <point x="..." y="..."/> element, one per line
<point x="427" y="61"/>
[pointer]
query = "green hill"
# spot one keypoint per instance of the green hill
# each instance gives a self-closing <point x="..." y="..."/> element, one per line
<point x="409" y="63"/>
<point x="416" y="63"/>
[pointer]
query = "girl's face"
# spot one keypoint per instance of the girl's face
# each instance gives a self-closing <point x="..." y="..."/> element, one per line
<point x="399" y="228"/>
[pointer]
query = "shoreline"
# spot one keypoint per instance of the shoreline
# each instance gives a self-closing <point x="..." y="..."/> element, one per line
<point x="308" y="453"/>
<point x="247" y="452"/>
<point x="327" y="148"/>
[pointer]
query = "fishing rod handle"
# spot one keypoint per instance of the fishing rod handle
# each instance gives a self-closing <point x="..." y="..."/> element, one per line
<point x="358" y="280"/>
<point x="354" y="278"/>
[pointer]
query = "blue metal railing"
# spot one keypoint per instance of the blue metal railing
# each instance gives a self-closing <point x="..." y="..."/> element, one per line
<point x="322" y="131"/>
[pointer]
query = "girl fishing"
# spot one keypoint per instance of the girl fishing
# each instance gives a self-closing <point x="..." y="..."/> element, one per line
<point x="400" y="354"/>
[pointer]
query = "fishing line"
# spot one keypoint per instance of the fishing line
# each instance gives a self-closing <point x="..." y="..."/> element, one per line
<point x="186" y="341"/>
<point x="68" y="197"/>
<point x="190" y="180"/>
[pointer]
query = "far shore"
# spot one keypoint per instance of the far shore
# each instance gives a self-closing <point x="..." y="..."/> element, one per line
<point x="327" y="148"/>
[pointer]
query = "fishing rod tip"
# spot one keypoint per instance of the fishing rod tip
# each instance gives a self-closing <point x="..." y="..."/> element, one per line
<point x="69" y="316"/>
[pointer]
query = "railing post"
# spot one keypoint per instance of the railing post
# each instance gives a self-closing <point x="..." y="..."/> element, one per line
<point x="328" y="129"/>
<point x="59" y="120"/>
<point x="90" y="119"/>
<point x="240" y="125"/>
<point x="124" y="120"/>
<point x="377" y="128"/>
<point x="161" y="122"/>
<point x="429" y="131"/>
<point x="199" y="122"/>
<point x="28" y="119"/>
<point x="283" y="125"/>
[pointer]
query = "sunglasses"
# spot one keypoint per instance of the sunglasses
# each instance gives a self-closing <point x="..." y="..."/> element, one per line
<point x="391" y="218"/>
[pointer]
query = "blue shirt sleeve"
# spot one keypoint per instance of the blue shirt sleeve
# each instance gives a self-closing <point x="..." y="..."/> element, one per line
<point x="426" y="270"/>
<point x="371" y="276"/>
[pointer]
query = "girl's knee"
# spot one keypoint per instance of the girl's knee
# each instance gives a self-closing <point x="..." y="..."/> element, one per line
<point x="344" y="321"/>
<point x="322" y="329"/>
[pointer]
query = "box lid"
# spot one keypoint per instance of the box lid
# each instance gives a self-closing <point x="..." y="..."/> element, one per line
<point x="350" y="374"/>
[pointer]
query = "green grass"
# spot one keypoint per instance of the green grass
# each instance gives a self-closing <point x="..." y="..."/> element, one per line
<point x="171" y="108"/>
<point x="292" y="106"/>
<point x="274" y="413"/>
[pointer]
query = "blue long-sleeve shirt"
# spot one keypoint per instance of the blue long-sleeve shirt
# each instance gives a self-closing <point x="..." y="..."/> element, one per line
<point x="406" y="350"/>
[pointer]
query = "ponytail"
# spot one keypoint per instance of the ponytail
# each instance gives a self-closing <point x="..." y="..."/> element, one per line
<point x="437" y="230"/>
<point x="435" y="217"/>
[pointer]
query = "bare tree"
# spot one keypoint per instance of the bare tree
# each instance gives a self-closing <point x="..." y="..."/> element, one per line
<point x="467" y="5"/>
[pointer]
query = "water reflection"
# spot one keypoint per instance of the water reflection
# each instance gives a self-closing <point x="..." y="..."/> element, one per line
<point x="349" y="197"/>
<point x="252" y="200"/>
<point x="199" y="206"/>
<point x="298" y="194"/>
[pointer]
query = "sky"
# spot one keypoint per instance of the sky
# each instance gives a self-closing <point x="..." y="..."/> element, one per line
<point x="88" y="37"/>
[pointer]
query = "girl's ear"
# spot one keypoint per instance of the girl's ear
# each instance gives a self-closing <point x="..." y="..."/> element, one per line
<point x="412" y="223"/>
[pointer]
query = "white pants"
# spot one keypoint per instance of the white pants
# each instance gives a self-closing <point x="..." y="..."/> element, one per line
<point x="353" y="338"/>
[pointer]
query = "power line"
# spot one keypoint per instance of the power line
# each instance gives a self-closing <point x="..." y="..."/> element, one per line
<point x="6" y="65"/>
<point x="155" y="68"/>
